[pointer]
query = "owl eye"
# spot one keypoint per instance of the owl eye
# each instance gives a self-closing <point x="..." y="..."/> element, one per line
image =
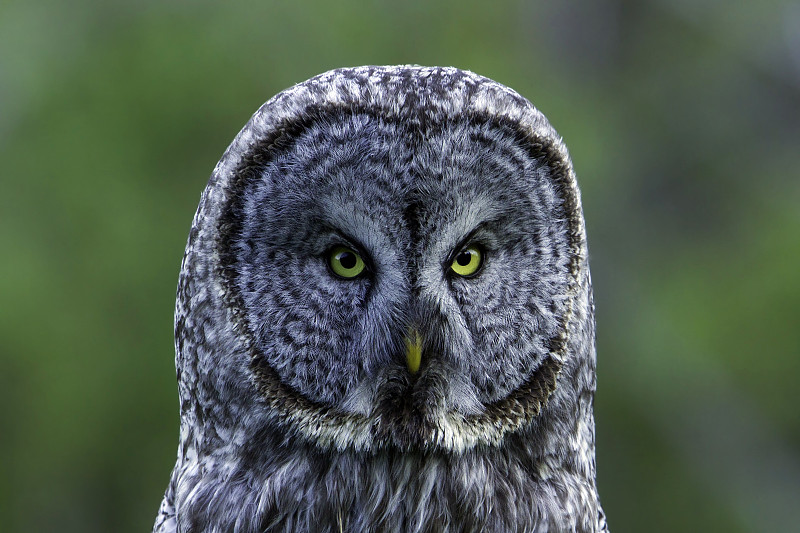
<point x="468" y="261"/>
<point x="345" y="262"/>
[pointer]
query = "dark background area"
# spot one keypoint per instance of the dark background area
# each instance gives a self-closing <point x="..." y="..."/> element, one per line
<point x="683" y="121"/>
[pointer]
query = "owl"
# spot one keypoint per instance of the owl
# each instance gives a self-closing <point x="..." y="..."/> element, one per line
<point x="384" y="318"/>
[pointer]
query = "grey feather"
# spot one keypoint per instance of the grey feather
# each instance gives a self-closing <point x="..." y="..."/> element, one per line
<point x="298" y="412"/>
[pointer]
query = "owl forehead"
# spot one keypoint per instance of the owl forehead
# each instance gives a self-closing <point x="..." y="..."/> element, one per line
<point x="364" y="169"/>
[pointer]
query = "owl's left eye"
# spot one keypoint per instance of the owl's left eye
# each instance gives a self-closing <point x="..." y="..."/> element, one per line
<point x="468" y="261"/>
<point x="345" y="262"/>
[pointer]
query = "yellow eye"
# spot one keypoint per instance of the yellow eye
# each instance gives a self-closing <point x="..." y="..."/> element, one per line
<point x="345" y="262"/>
<point x="468" y="261"/>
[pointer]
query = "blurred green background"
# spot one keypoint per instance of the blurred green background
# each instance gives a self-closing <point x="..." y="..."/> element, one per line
<point x="683" y="120"/>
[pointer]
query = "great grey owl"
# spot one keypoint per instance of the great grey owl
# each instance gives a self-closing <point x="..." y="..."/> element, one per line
<point x="384" y="318"/>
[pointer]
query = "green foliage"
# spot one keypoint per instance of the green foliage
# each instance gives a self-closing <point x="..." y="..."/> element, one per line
<point x="682" y="119"/>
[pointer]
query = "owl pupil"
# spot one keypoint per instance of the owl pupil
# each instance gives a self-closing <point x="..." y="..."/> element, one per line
<point x="347" y="260"/>
<point x="464" y="258"/>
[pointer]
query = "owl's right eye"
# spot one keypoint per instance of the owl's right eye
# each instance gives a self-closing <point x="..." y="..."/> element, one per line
<point x="345" y="262"/>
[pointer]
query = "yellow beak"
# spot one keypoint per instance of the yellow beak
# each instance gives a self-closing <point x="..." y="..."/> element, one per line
<point x="413" y="350"/>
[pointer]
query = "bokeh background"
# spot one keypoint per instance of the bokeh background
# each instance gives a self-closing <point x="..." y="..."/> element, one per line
<point x="683" y="120"/>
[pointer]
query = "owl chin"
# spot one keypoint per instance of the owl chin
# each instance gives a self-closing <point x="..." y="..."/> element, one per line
<point x="434" y="408"/>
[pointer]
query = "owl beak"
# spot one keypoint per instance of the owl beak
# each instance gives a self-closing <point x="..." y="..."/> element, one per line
<point x="413" y="350"/>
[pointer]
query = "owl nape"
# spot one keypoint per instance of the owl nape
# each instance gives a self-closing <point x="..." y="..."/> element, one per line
<point x="384" y="318"/>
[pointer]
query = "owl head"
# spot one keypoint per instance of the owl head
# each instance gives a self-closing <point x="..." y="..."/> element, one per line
<point x="385" y="257"/>
<point x="386" y="291"/>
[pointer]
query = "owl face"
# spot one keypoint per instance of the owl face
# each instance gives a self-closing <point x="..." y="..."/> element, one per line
<point x="405" y="274"/>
